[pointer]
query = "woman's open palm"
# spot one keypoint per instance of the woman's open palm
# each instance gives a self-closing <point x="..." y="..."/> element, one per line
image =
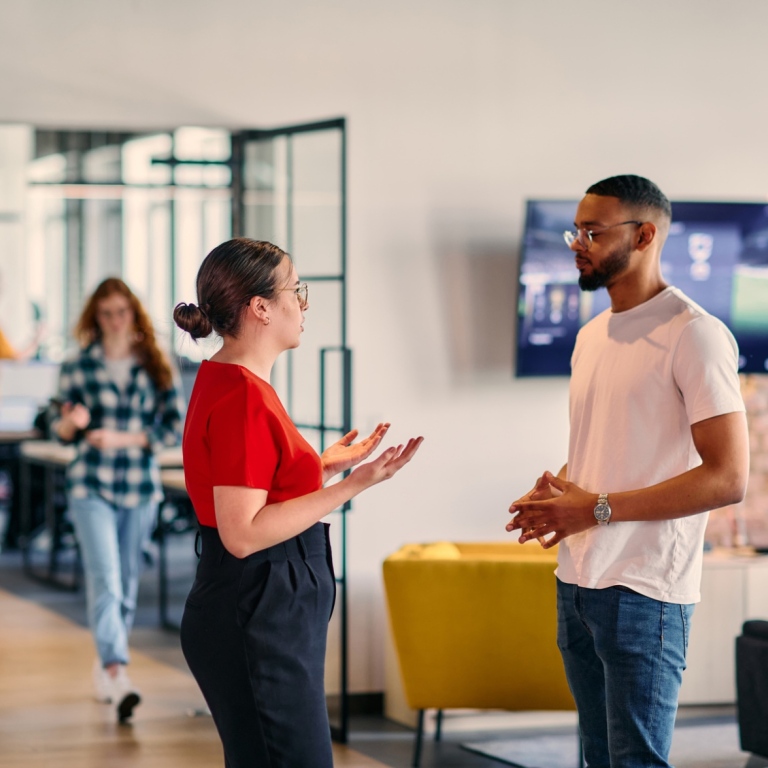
<point x="345" y="453"/>
<point x="388" y="464"/>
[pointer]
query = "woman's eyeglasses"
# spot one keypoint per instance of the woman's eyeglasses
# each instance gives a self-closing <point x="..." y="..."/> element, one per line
<point x="301" y="291"/>
<point x="302" y="294"/>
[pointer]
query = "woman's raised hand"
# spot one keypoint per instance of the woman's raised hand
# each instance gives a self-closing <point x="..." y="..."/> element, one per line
<point x="345" y="453"/>
<point x="73" y="418"/>
<point x="388" y="464"/>
<point x="76" y="416"/>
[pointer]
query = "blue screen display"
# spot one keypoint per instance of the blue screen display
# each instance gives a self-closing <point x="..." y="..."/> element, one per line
<point x="716" y="253"/>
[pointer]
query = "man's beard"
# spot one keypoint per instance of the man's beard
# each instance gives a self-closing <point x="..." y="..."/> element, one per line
<point x="612" y="265"/>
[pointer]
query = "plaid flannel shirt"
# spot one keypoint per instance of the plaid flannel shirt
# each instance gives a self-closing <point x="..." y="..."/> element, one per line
<point x="124" y="477"/>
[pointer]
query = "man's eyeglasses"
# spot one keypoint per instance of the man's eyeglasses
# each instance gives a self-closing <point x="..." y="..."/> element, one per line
<point x="584" y="236"/>
<point x="302" y="294"/>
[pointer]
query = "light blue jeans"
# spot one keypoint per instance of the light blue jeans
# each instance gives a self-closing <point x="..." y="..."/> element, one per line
<point x="624" y="657"/>
<point x="111" y="541"/>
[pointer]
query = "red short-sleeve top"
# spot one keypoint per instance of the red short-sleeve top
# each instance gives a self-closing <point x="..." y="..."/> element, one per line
<point x="237" y="432"/>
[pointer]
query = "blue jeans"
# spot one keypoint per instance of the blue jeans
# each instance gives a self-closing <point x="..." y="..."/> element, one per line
<point x="624" y="657"/>
<point x="111" y="541"/>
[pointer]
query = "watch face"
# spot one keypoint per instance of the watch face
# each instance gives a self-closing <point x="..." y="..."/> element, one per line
<point x="602" y="512"/>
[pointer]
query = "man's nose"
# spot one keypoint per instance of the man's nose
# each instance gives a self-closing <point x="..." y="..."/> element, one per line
<point x="578" y="245"/>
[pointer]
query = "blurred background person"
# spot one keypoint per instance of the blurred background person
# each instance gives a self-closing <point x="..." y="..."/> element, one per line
<point x="32" y="348"/>
<point x="120" y="406"/>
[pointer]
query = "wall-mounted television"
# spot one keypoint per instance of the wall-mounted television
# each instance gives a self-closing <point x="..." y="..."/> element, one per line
<point x="716" y="253"/>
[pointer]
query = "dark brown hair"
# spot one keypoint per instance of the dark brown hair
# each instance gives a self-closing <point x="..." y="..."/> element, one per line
<point x="229" y="277"/>
<point x="149" y="354"/>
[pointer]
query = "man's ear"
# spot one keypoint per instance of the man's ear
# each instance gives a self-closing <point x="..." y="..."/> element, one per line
<point x="646" y="234"/>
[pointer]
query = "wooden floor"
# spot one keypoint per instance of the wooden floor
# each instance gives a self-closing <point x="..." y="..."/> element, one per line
<point x="48" y="718"/>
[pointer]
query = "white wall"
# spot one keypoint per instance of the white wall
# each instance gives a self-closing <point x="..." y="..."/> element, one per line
<point x="457" y="112"/>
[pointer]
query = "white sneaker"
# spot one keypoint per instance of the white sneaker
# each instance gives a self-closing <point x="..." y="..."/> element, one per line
<point x="124" y="694"/>
<point x="102" y="683"/>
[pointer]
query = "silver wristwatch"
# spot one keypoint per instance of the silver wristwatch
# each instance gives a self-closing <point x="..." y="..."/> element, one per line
<point x="603" y="510"/>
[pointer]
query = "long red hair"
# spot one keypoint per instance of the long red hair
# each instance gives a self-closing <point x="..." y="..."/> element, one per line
<point x="149" y="354"/>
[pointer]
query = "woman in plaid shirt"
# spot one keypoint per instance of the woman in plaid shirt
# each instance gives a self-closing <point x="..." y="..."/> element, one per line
<point x="120" y="406"/>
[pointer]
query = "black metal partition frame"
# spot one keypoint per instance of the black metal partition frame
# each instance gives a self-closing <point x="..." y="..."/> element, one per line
<point x="289" y="187"/>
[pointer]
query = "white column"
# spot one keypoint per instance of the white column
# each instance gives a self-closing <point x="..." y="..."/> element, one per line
<point x="15" y="154"/>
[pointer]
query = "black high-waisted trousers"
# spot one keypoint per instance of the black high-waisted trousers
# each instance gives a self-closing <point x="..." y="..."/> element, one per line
<point x="254" y="634"/>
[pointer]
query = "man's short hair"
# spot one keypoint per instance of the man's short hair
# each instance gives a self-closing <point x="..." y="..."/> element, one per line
<point x="635" y="191"/>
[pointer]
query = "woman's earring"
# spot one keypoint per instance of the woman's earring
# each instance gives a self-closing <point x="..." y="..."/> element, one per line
<point x="266" y="321"/>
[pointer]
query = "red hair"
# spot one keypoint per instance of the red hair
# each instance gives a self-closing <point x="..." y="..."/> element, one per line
<point x="149" y="354"/>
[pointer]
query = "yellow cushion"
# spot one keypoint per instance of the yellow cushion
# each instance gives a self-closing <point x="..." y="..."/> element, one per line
<point x="440" y="550"/>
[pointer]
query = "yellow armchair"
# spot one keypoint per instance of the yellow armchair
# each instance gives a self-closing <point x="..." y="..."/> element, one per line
<point x="474" y="626"/>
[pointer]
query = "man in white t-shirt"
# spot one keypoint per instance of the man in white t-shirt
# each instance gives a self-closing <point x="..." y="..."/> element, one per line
<point x="658" y="437"/>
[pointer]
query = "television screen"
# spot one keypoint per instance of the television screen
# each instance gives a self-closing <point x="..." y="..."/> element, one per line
<point x="716" y="253"/>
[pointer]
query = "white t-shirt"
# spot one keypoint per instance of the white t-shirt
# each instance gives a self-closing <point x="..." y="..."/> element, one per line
<point x="640" y="378"/>
<point x="120" y="370"/>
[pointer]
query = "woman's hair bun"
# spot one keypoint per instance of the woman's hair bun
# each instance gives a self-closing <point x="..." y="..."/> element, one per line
<point x="193" y="320"/>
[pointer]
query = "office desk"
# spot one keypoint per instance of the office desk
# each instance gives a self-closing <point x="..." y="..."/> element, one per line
<point x="53" y="457"/>
<point x="9" y="460"/>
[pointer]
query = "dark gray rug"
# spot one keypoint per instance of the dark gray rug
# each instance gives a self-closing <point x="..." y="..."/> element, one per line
<point x="704" y="745"/>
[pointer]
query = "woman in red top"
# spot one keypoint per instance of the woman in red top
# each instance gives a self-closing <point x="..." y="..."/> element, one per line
<point x="255" y="622"/>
